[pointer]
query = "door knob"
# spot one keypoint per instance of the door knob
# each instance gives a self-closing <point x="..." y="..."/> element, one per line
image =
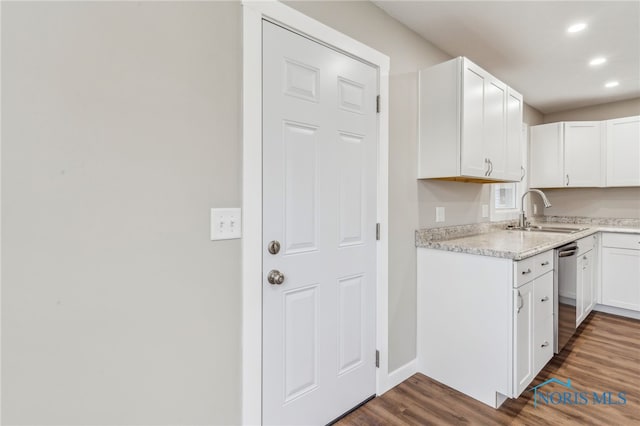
<point x="275" y="277"/>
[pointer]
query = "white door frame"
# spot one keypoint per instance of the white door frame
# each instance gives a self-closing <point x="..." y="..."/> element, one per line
<point x="253" y="13"/>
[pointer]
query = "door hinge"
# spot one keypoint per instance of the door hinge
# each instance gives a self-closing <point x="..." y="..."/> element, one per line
<point x="377" y="232"/>
<point x="378" y="104"/>
<point x="377" y="358"/>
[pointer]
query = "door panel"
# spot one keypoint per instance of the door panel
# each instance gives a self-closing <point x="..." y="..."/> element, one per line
<point x="319" y="202"/>
<point x="350" y="186"/>
<point x="350" y="323"/>
<point x="300" y="187"/>
<point x="301" y="341"/>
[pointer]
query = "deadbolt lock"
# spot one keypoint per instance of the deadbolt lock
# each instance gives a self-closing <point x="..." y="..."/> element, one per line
<point x="274" y="247"/>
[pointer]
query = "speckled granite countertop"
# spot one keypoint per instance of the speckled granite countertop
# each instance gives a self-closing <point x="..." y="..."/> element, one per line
<point x="495" y="241"/>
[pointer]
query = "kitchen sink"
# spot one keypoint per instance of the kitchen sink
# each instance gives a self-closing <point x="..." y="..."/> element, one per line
<point x="556" y="229"/>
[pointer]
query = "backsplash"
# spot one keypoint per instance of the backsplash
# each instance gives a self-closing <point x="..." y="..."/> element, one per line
<point x="592" y="202"/>
<point x="583" y="220"/>
<point x="458" y="231"/>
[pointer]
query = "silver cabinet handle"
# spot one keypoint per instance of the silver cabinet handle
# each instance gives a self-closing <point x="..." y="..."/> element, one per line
<point x="520" y="301"/>
<point x="524" y="172"/>
<point x="486" y="161"/>
<point x="544" y="299"/>
<point x="490" y="166"/>
<point x="567" y="180"/>
<point x="275" y="277"/>
<point x="544" y="263"/>
<point x="545" y="344"/>
<point x="528" y="271"/>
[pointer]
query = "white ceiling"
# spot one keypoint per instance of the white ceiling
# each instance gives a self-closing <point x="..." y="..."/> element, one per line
<point x="526" y="45"/>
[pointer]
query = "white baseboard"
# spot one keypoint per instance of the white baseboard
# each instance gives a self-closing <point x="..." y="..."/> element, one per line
<point x="401" y="374"/>
<point x="617" y="311"/>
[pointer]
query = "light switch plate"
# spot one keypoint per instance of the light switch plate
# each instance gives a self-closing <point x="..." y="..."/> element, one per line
<point x="226" y="224"/>
<point x="439" y="214"/>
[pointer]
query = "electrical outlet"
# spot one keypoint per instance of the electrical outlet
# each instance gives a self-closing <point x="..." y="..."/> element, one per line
<point x="439" y="214"/>
<point x="485" y="210"/>
<point x="226" y="224"/>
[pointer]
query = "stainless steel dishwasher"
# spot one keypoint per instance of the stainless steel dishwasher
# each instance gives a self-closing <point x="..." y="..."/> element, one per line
<point x="565" y="287"/>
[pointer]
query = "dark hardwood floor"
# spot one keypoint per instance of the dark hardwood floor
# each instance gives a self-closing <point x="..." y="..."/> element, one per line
<point x="604" y="355"/>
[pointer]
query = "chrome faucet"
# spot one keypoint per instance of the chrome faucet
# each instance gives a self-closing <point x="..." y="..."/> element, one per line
<point x="523" y="218"/>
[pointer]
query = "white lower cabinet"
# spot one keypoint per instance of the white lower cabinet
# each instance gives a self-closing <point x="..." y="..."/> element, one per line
<point x="523" y="338"/>
<point x="533" y="329"/>
<point x="621" y="270"/>
<point x="485" y="324"/>
<point x="585" y="277"/>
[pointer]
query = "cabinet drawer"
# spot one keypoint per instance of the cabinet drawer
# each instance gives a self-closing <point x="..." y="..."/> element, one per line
<point x="543" y="297"/>
<point x="586" y="244"/>
<point x="525" y="271"/>
<point x="543" y="263"/>
<point x="627" y="241"/>
<point x="542" y="344"/>
<point x="528" y="269"/>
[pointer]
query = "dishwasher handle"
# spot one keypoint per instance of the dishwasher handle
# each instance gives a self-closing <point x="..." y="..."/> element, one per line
<point x="571" y="251"/>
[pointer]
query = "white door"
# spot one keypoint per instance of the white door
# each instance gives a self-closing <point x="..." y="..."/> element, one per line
<point x="319" y="204"/>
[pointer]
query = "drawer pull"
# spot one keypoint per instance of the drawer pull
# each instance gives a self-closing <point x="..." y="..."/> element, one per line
<point x="528" y="271"/>
<point x="544" y="263"/>
<point x="544" y="299"/>
<point x="545" y="344"/>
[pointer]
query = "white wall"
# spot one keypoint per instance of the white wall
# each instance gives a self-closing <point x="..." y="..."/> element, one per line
<point x="120" y="129"/>
<point x="597" y="112"/>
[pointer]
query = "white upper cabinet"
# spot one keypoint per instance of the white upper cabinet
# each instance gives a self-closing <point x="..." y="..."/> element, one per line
<point x="567" y="155"/>
<point x="546" y="156"/>
<point x="466" y="121"/>
<point x="583" y="154"/>
<point x="515" y="168"/>
<point x="586" y="154"/>
<point x="623" y="151"/>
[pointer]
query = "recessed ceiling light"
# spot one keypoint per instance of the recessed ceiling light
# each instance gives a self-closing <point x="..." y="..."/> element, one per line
<point x="577" y="27"/>
<point x="611" y="84"/>
<point x="597" y="61"/>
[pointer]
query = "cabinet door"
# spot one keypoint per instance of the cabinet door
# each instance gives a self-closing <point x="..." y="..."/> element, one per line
<point x="523" y="338"/>
<point x="623" y="151"/>
<point x="621" y="278"/>
<point x="547" y="156"/>
<point x="543" y="321"/>
<point x="584" y="286"/>
<point x="495" y="127"/>
<point x="473" y="162"/>
<point x="589" y="281"/>
<point x="583" y="154"/>
<point x="515" y="165"/>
